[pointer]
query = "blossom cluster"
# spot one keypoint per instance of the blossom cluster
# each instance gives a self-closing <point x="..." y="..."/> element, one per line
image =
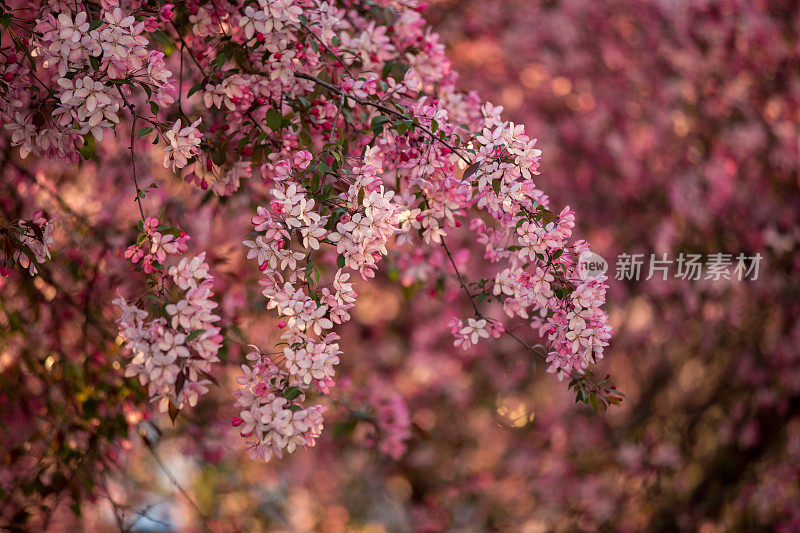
<point x="93" y="64"/>
<point x="287" y="233"/>
<point x="539" y="280"/>
<point x="172" y="351"/>
<point x="183" y="143"/>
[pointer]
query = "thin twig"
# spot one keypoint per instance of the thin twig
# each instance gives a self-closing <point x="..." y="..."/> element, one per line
<point x="461" y="279"/>
<point x="178" y="486"/>
<point x="336" y="118"/>
<point x="380" y="107"/>
<point x="133" y="150"/>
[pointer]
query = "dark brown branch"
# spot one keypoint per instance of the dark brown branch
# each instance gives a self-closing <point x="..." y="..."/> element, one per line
<point x="380" y="107"/>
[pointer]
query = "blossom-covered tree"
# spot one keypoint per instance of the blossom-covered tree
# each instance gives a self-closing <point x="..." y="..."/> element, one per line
<point x="315" y="139"/>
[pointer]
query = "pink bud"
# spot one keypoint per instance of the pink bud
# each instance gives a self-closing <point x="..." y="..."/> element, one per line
<point x="150" y="24"/>
<point x="166" y="12"/>
<point x="236" y="421"/>
<point x="281" y="324"/>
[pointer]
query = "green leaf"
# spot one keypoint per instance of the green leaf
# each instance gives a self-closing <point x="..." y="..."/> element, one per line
<point x="120" y="81"/>
<point x="396" y="69"/>
<point x="274" y="119"/>
<point x="161" y="37"/>
<point x="194" y="334"/>
<point x="470" y="170"/>
<point x="593" y="402"/>
<point x="180" y="381"/>
<point x="378" y="122"/>
<point x="496" y="186"/>
<point x="196" y="87"/>
<point x="404" y="126"/>
<point x="147" y="89"/>
<point x="209" y="377"/>
<point x="343" y="428"/>
<point x="87" y="150"/>
<point x="340" y="261"/>
<point x="291" y="393"/>
<point x="144" y="131"/>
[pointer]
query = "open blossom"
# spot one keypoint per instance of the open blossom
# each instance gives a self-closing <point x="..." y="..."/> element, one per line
<point x="229" y="93"/>
<point x="473" y="331"/>
<point x="183" y="144"/>
<point x="188" y="272"/>
<point x="90" y="104"/>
